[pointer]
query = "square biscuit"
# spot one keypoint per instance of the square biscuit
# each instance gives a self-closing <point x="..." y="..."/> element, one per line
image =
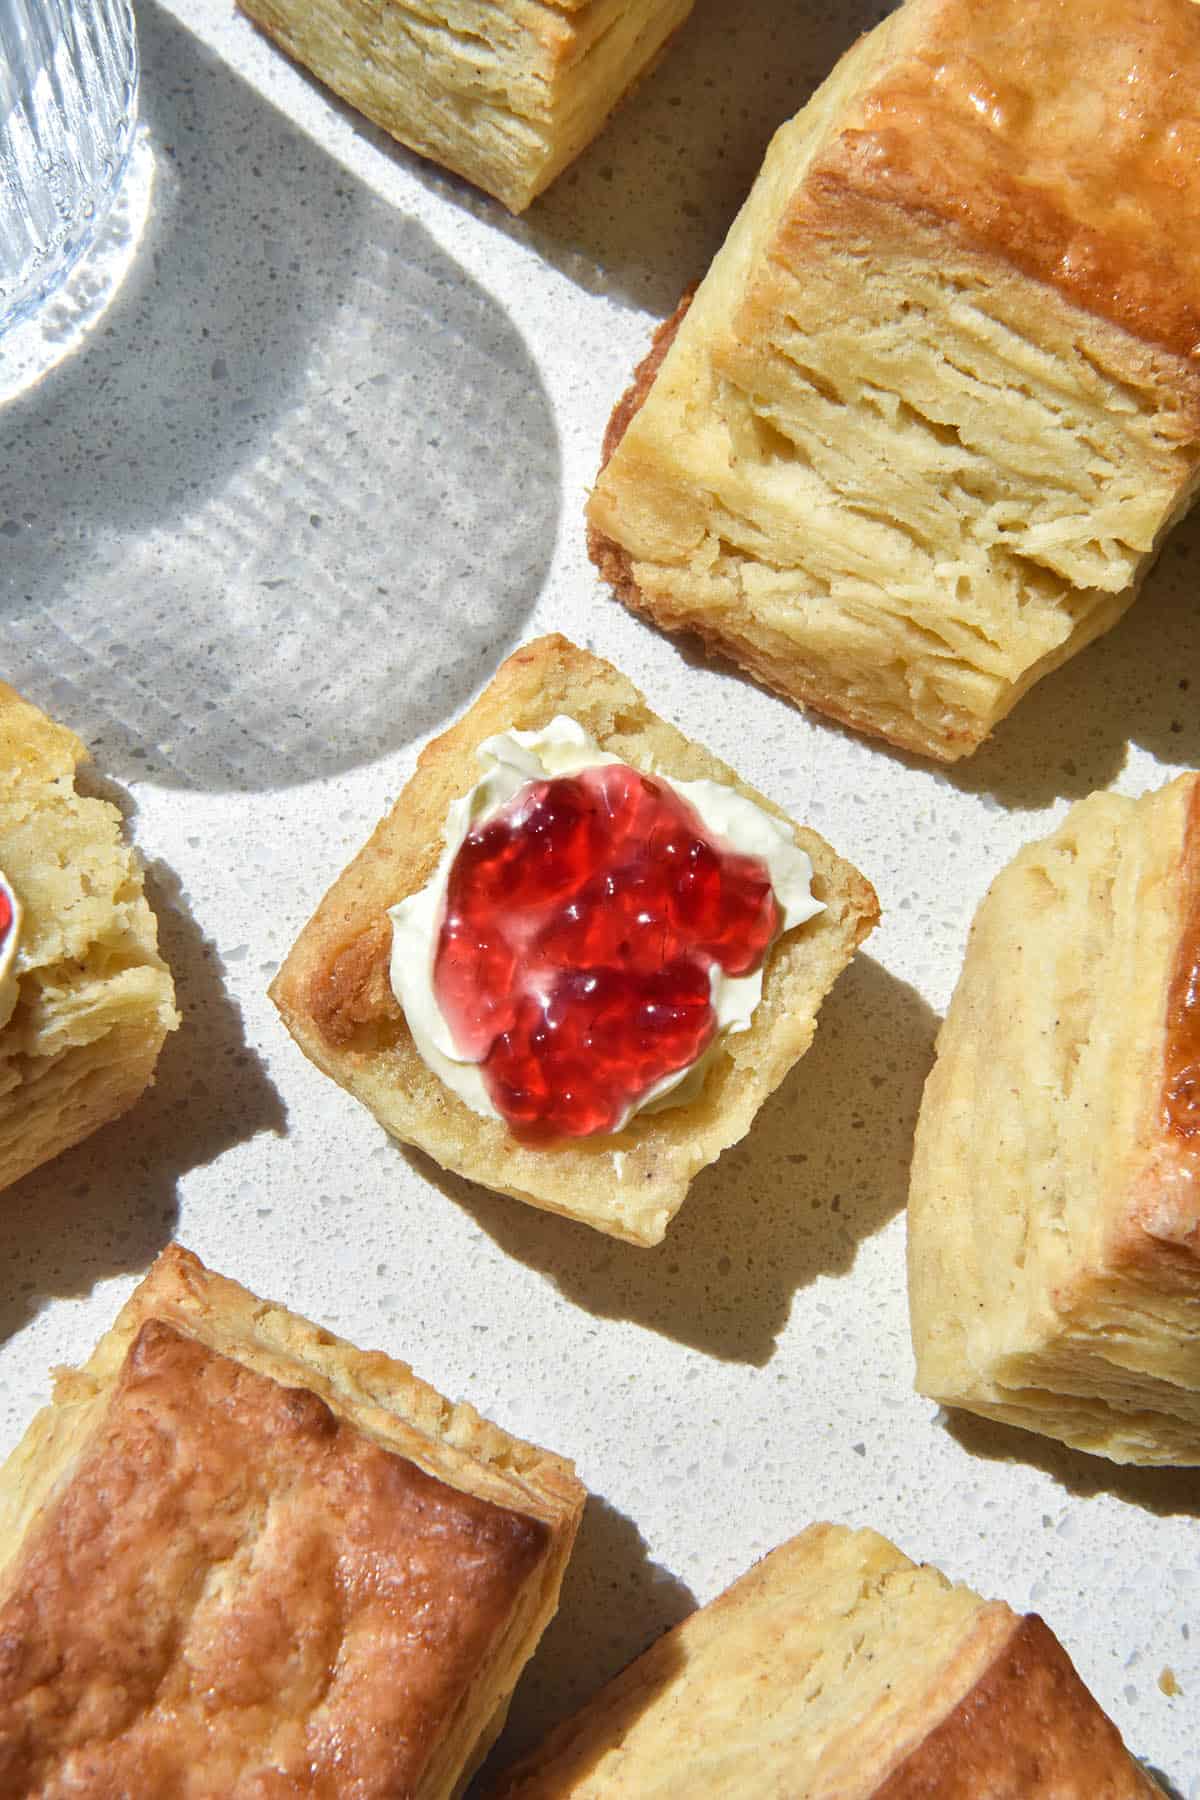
<point x="922" y="429"/>
<point x="89" y="1001"/>
<point x="335" y="996"/>
<point x="1054" y="1210"/>
<point x="240" y="1557"/>
<point x="503" y="92"/>
<point x="836" y="1669"/>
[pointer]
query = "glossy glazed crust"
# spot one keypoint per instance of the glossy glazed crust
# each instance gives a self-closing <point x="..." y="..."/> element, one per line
<point x="840" y="1671"/>
<point x="346" y="1599"/>
<point x="304" y="1571"/>
<point x="1054" y="1210"/>
<point x="1065" y="141"/>
<point x="94" y="1000"/>
<point x="335" y="998"/>
<point x="505" y="95"/>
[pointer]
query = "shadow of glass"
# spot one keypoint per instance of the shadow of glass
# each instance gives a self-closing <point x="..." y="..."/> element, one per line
<point x="108" y="1206"/>
<point x="823" y="1168"/>
<point x="615" y="1602"/>
<point x="1171" y="1493"/>
<point x="284" y="509"/>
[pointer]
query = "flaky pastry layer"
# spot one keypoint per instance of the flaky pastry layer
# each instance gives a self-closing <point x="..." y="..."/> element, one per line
<point x="505" y="94"/>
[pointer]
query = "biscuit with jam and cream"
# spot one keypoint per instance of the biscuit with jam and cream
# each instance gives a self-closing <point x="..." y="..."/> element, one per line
<point x="610" y="950"/>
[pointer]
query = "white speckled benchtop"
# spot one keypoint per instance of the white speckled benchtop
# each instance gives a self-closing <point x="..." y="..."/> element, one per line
<point x="316" y="469"/>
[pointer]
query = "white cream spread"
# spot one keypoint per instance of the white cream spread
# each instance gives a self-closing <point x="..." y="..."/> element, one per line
<point x="8" y="955"/>
<point x="509" y="762"/>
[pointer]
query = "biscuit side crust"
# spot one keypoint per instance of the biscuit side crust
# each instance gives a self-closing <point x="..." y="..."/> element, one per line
<point x="885" y="465"/>
<point x="1054" y="1211"/>
<point x="343" y="1443"/>
<point x="630" y="1184"/>
<point x="95" y="1000"/>
<point x="506" y="96"/>
<point x="840" y="1668"/>
<point x="610" y="557"/>
<point x="1028" y="1727"/>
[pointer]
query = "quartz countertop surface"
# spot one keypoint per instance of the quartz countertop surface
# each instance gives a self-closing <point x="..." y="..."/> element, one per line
<point x="274" y="510"/>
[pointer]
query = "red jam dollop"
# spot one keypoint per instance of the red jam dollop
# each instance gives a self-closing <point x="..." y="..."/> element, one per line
<point x="7" y="916"/>
<point x="582" y="921"/>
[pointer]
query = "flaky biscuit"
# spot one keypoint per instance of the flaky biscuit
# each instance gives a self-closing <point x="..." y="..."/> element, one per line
<point x="1054" y="1212"/>
<point x="239" y="1555"/>
<point x="505" y="92"/>
<point x="937" y="400"/>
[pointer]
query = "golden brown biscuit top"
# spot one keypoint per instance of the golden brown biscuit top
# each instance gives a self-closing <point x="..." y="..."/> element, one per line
<point x="1181" y="1088"/>
<point x="239" y="1594"/>
<point x="1027" y="1727"/>
<point x="1065" y="137"/>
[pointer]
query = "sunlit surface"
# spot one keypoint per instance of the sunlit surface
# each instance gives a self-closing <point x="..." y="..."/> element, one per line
<point x="32" y="347"/>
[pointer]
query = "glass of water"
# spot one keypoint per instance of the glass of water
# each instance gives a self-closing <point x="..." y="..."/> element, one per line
<point x="68" y="106"/>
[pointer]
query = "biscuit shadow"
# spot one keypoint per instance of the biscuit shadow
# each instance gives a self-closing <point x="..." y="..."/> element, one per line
<point x="1169" y="1492"/>
<point x="299" y="488"/>
<point x="615" y="1602"/>
<point x="824" y="1167"/>
<point x="1165" y="1783"/>
<point x="108" y="1206"/>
